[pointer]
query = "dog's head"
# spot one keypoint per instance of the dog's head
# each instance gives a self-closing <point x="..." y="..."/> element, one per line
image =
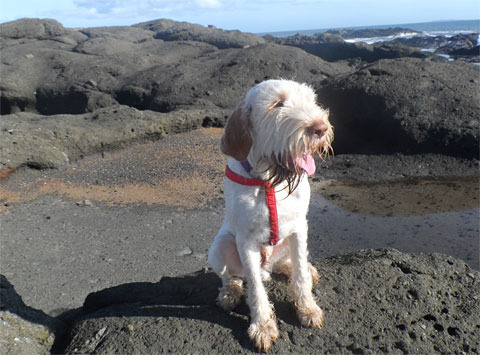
<point x="278" y="126"/>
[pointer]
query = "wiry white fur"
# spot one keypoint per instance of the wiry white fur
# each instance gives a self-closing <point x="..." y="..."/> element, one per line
<point x="282" y="132"/>
<point x="236" y="252"/>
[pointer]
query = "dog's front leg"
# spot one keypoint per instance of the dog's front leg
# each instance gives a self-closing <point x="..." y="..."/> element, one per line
<point x="263" y="326"/>
<point x="309" y="314"/>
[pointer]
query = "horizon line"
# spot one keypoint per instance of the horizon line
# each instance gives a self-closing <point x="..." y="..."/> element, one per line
<point x="367" y="26"/>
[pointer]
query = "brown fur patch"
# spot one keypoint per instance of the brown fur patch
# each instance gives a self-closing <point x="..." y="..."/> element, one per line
<point x="237" y="139"/>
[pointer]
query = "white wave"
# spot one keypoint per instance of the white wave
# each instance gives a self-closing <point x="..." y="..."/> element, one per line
<point x="447" y="34"/>
<point x="371" y="40"/>
<point x="446" y="56"/>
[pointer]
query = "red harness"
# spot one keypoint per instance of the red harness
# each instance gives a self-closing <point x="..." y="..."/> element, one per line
<point x="269" y="196"/>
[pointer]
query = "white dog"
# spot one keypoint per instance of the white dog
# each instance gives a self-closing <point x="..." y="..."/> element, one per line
<point x="270" y="139"/>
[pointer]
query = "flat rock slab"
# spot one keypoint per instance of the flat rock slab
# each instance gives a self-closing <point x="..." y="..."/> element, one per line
<point x="374" y="301"/>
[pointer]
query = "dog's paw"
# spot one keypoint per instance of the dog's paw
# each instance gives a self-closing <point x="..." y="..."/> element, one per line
<point x="264" y="334"/>
<point x="230" y="295"/>
<point x="266" y="276"/>
<point x="311" y="316"/>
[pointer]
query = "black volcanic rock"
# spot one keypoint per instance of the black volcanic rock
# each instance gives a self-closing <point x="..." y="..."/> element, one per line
<point x="220" y="78"/>
<point x="42" y="142"/>
<point x="126" y="33"/>
<point x="406" y="105"/>
<point x="169" y="30"/>
<point x="461" y="47"/>
<point x="474" y="51"/>
<point x="426" y="42"/>
<point x="332" y="47"/>
<point x="75" y="72"/>
<point x="99" y="67"/>
<point x="32" y="28"/>
<point x="445" y="44"/>
<point x="374" y="301"/>
<point x="460" y="44"/>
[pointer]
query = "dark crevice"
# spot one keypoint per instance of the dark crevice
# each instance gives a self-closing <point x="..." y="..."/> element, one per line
<point x="430" y="318"/>
<point x="52" y="102"/>
<point x="404" y="268"/>
<point x="363" y="124"/>
<point x="141" y="99"/>
<point x="453" y="331"/>
<point x="13" y="105"/>
<point x="213" y="122"/>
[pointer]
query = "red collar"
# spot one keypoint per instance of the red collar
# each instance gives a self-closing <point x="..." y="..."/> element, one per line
<point x="269" y="196"/>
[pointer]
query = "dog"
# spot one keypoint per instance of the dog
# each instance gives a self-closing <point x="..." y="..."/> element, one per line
<point x="269" y="140"/>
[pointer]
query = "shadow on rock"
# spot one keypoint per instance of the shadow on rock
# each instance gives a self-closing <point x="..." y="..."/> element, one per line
<point x="24" y="330"/>
<point x="374" y="300"/>
<point x="175" y="313"/>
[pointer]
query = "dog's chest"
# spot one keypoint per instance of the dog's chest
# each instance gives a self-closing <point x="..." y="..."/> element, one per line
<point x="294" y="207"/>
<point x="246" y="209"/>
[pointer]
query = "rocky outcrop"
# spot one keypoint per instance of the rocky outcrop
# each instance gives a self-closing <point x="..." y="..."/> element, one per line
<point x="100" y="67"/>
<point x="24" y="330"/>
<point x="443" y="44"/>
<point x="461" y="46"/>
<point x="33" y="29"/>
<point x="55" y="80"/>
<point x="40" y="142"/>
<point x="332" y="47"/>
<point x="169" y="30"/>
<point x="406" y="106"/>
<point x="374" y="301"/>
<point x="220" y="78"/>
<point x="58" y="81"/>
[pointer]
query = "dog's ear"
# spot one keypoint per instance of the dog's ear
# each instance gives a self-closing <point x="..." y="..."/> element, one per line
<point x="237" y="139"/>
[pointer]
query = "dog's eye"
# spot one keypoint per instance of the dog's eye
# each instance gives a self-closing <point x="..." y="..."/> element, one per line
<point x="278" y="104"/>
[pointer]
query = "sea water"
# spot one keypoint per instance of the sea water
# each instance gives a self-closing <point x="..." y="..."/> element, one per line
<point x="437" y="28"/>
<point x="425" y="29"/>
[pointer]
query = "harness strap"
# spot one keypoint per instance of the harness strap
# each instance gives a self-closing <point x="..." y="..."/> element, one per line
<point x="269" y="197"/>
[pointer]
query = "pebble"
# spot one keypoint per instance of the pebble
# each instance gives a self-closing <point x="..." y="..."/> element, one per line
<point x="85" y="203"/>
<point x="185" y="251"/>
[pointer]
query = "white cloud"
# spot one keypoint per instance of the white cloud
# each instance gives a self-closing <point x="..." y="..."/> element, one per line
<point x="100" y="7"/>
<point x="140" y="6"/>
<point x="208" y="3"/>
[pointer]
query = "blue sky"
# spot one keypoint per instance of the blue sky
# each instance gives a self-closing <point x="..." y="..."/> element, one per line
<point x="246" y="15"/>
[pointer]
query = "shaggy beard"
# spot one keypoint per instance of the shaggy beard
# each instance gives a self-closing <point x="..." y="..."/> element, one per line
<point x="284" y="167"/>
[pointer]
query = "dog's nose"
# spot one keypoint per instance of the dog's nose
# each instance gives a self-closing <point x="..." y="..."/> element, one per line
<point x="320" y="129"/>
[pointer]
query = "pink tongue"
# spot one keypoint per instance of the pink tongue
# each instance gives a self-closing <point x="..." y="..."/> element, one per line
<point x="307" y="163"/>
